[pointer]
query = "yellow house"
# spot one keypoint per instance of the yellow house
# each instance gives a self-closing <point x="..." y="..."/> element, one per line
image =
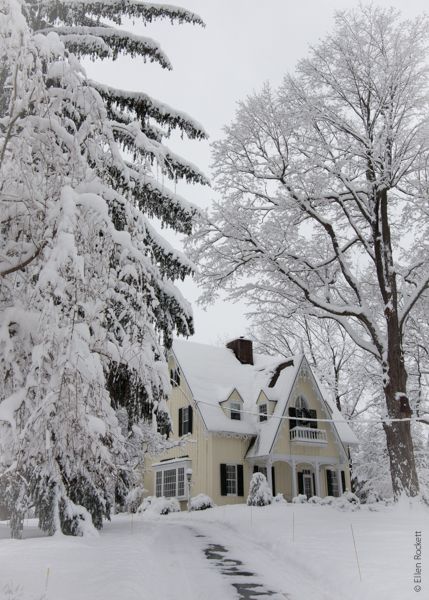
<point x="243" y="413"/>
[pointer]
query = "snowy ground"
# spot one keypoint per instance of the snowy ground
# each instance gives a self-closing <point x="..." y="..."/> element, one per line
<point x="300" y="551"/>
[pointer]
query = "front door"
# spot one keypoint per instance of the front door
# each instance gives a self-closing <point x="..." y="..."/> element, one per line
<point x="308" y="485"/>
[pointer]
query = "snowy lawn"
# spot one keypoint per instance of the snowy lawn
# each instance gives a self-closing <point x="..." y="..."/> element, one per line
<point x="303" y="551"/>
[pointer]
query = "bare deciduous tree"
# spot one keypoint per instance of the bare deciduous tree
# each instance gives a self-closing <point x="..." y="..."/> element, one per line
<point x="325" y="190"/>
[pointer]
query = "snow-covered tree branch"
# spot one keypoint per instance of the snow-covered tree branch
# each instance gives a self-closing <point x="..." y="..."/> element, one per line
<point x="323" y="198"/>
<point x="88" y="304"/>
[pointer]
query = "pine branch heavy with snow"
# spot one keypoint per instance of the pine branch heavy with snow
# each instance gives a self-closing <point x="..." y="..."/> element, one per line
<point x="87" y="302"/>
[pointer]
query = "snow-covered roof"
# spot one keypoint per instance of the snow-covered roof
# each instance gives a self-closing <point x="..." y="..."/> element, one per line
<point x="213" y="373"/>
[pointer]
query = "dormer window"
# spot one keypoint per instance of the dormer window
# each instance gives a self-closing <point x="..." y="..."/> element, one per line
<point x="235" y="411"/>
<point x="263" y="412"/>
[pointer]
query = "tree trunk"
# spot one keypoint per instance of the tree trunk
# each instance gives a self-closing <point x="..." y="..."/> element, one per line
<point x="401" y="454"/>
<point x="398" y="434"/>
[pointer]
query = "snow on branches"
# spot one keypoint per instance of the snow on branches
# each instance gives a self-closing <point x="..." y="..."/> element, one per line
<point x="323" y="196"/>
<point x="87" y="298"/>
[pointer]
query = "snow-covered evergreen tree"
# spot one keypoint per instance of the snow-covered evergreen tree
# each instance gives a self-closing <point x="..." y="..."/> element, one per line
<point x="260" y="493"/>
<point x="87" y="300"/>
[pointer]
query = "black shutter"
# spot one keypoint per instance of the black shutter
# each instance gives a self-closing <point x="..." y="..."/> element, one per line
<point x="329" y="482"/>
<point x="240" y="487"/>
<point x="190" y="411"/>
<point x="300" y="483"/>
<point x="343" y="480"/>
<point x="255" y="468"/>
<point x="313" y="415"/>
<point x="180" y="422"/>
<point x="273" y="480"/>
<point x="223" y="480"/>
<point x="314" y="485"/>
<point x="292" y="413"/>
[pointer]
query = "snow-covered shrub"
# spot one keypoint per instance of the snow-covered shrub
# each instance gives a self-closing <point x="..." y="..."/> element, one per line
<point x="76" y="520"/>
<point x="159" y="506"/>
<point x="134" y="499"/>
<point x="351" y="498"/>
<point x="315" y="500"/>
<point x="279" y="499"/>
<point x="163" y="506"/>
<point x="201" y="502"/>
<point x="260" y="493"/>
<point x="146" y="503"/>
<point x="372" y="498"/>
<point x="300" y="499"/>
<point x="348" y="501"/>
<point x="327" y="500"/>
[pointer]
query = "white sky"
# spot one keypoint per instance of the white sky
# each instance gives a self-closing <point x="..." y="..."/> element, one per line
<point x="244" y="43"/>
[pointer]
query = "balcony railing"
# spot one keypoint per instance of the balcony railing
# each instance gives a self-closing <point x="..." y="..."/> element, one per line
<point x="308" y="435"/>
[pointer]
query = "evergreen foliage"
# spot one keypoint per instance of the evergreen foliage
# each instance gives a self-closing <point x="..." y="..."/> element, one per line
<point x="87" y="299"/>
<point x="259" y="491"/>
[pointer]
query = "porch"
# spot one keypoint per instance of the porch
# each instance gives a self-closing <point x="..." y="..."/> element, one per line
<point x="312" y="476"/>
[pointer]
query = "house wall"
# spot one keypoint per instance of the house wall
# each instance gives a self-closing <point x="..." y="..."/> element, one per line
<point x="196" y="446"/>
<point x="228" y="450"/>
<point x="206" y="450"/>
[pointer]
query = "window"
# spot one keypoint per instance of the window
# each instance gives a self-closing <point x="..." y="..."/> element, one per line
<point x="181" y="481"/>
<point x="235" y="408"/>
<point x="301" y="403"/>
<point x="302" y="413"/>
<point x="185" y="420"/>
<point x="231" y="480"/>
<point x="332" y="483"/>
<point x="170" y="482"/>
<point x="307" y="483"/>
<point x="158" y="488"/>
<point x="263" y="412"/>
<point x="175" y="377"/>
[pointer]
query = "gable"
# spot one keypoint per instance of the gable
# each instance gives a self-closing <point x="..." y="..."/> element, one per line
<point x="294" y="380"/>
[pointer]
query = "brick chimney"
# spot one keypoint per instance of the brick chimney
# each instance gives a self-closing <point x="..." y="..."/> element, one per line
<point x="243" y="350"/>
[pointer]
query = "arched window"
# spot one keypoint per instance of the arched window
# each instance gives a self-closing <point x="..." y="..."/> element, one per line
<point x="301" y="403"/>
<point x="305" y="417"/>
